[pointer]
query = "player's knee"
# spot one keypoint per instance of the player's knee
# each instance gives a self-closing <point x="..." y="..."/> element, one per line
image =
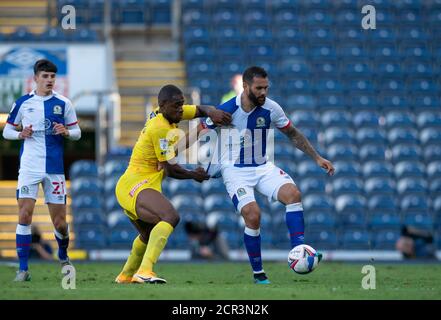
<point x="172" y="218"/>
<point x="290" y="194"/>
<point x="25" y="216"/>
<point x="60" y="225"/>
<point x="251" y="215"/>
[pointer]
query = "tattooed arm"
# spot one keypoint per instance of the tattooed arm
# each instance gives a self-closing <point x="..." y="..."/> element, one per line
<point x="302" y="143"/>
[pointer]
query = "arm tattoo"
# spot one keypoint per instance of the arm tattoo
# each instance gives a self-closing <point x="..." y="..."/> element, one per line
<point x="301" y="142"/>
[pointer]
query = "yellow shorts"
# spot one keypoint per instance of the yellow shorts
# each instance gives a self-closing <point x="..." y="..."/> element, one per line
<point x="131" y="184"/>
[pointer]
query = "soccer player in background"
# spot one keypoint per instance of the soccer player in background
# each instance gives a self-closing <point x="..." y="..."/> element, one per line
<point x="139" y="189"/>
<point x="248" y="168"/>
<point x="46" y="118"/>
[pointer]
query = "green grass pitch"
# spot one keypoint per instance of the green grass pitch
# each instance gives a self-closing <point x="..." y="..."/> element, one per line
<point x="227" y="281"/>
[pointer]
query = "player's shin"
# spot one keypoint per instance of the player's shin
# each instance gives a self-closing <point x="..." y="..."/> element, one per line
<point x="157" y="241"/>
<point x="23" y="242"/>
<point x="295" y="223"/>
<point x="63" y="244"/>
<point x="135" y="258"/>
<point x="252" y="242"/>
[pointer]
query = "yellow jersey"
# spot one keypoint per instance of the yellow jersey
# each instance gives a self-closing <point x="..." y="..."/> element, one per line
<point x="156" y="141"/>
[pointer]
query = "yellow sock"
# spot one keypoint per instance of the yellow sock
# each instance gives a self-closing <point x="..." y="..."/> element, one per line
<point x="135" y="257"/>
<point x="158" y="239"/>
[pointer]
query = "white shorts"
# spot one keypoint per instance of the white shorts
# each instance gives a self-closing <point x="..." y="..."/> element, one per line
<point x="241" y="181"/>
<point x="54" y="186"/>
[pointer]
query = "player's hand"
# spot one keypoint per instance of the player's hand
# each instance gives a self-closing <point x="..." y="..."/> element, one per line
<point x="26" y="132"/>
<point x="220" y="118"/>
<point x="327" y="165"/>
<point x="60" y="129"/>
<point x="200" y="175"/>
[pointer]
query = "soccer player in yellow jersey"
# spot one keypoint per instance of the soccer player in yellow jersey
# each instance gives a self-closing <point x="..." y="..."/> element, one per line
<point x="139" y="189"/>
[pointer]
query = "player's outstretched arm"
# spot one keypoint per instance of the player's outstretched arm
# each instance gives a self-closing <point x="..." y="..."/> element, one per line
<point x="177" y="172"/>
<point x="303" y="144"/>
<point x="219" y="117"/>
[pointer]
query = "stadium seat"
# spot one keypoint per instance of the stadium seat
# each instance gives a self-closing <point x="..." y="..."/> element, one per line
<point x="319" y="220"/>
<point x="189" y="202"/>
<point x="433" y="170"/>
<point x="213" y="186"/>
<point x="187" y="187"/>
<point x="355" y="219"/>
<point x="354" y="70"/>
<point x="402" y="136"/>
<point x="331" y="101"/>
<point x="92" y="237"/>
<point x="122" y="237"/>
<point x="426" y="102"/>
<point x="356" y="239"/>
<point x="309" y="169"/>
<point x="380" y="221"/>
<point x="372" y="152"/>
<point x="115" y="168"/>
<point x="386" y="239"/>
<point x="316" y="203"/>
<point x="217" y="202"/>
<point x="384" y="203"/>
<point x="284" y="34"/>
<point x="85" y="185"/>
<point x="432" y="153"/>
<point x="435" y="187"/>
<point x="342" y="186"/>
<point x="377" y="169"/>
<point x="436" y="208"/>
<point x="347" y="169"/>
<point x="336" y="119"/>
<point x="301" y="118"/>
<point x="427" y="119"/>
<point x="89" y="218"/>
<point x="418" y="220"/>
<point x="234" y="239"/>
<point x="322" y="240"/>
<point x="118" y="219"/>
<point x="414" y="203"/>
<point x="430" y="136"/>
<point x="338" y="135"/>
<point x="376" y="186"/>
<point x="86" y="201"/>
<point x="227" y="221"/>
<point x="412" y="169"/>
<point x="346" y="204"/>
<point x="342" y="152"/>
<point x="411" y="185"/>
<point x="390" y="102"/>
<point x="52" y="35"/>
<point x="396" y="119"/>
<point x="405" y="153"/>
<point x="312" y="186"/>
<point x="83" y="168"/>
<point x="370" y="135"/>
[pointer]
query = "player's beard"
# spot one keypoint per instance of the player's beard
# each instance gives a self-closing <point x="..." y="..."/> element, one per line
<point x="255" y="100"/>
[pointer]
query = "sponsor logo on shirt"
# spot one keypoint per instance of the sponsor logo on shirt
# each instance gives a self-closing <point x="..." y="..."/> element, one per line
<point x="163" y="144"/>
<point x="136" y="187"/>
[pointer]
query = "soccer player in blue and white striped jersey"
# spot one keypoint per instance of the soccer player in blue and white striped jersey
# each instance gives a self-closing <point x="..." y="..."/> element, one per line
<point x="46" y="118"/>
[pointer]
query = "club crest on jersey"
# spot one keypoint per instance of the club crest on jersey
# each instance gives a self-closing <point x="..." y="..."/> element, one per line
<point x="241" y="192"/>
<point x="57" y="110"/>
<point x="163" y="144"/>
<point x="260" y="122"/>
<point x="209" y="122"/>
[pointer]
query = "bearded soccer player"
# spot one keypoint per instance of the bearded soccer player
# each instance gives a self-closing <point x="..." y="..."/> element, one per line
<point x="253" y="114"/>
<point x="139" y="189"/>
<point x="47" y="118"/>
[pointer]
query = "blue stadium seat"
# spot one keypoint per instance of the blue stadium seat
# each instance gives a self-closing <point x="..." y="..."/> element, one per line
<point x="418" y="69"/>
<point x="426" y="102"/>
<point x="302" y="118"/>
<point x="396" y="119"/>
<point x="256" y="17"/>
<point x="195" y="33"/>
<point x="435" y="187"/>
<point x="405" y="153"/>
<point x="414" y="203"/>
<point x="115" y="167"/>
<point x="433" y="170"/>
<point x="218" y="203"/>
<point x="430" y="136"/>
<point x="411" y="169"/>
<point x="323" y="239"/>
<point x="52" y="35"/>
<point x="89" y="218"/>
<point x="423" y="86"/>
<point x="312" y="186"/>
<point x="388" y="69"/>
<point x="355" y="69"/>
<point x="109" y="185"/>
<point x="325" y="68"/>
<point x="385" y="239"/>
<point x="377" y="186"/>
<point x="213" y="186"/>
<point x="83" y="35"/>
<point x="338" y="135"/>
<point x="355" y="219"/>
<point x="320" y="220"/>
<point x="372" y="152"/>
<point x="409" y="185"/>
<point x="328" y="86"/>
<point x="351" y="51"/>
<point x="309" y="169"/>
<point x="285" y="17"/>
<point x="86" y="201"/>
<point x="334" y="118"/>
<point x="347" y="169"/>
<point x="383" y="203"/>
<point x="418" y="220"/>
<point x="283" y="151"/>
<point x="226" y="16"/>
<point x="228" y="222"/>
<point x="234" y="239"/>
<point x="345" y="204"/>
<point x="385" y="51"/>
<point x="392" y="101"/>
<point x="402" y="136"/>
<point x="92" y="237"/>
<point x="321" y="52"/>
<point x="320" y="35"/>
<point x="342" y="152"/>
<point x="111" y="203"/>
<point x="122" y="237"/>
<point x="194" y="16"/>
<point x="330" y="101"/>
<point x="379" y="221"/>
<point x="85" y="185"/>
<point x="118" y="219"/>
<point x="184" y="187"/>
<point x="189" y="202"/>
<point x="436" y="208"/>
<point x="427" y="119"/>
<point x="377" y="169"/>
<point x="284" y="34"/>
<point x="371" y="135"/>
<point x="316" y="203"/>
<point x="342" y="186"/>
<point x="361" y="101"/>
<point x="356" y="239"/>
<point x="83" y="168"/>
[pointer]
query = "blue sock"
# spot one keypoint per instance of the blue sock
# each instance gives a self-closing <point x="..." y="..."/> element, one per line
<point x="63" y="244"/>
<point x="251" y="239"/>
<point x="23" y="240"/>
<point x="295" y="223"/>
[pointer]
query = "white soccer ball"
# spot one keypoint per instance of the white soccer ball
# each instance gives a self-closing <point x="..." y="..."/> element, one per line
<point x="303" y="259"/>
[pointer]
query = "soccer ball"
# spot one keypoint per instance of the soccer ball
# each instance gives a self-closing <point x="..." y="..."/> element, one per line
<point x="303" y="259"/>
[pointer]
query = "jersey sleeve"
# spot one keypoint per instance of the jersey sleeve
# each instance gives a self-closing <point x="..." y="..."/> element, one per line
<point x="279" y="118"/>
<point x="15" y="115"/>
<point x="70" y="117"/>
<point x="164" y="148"/>
<point x="189" y="111"/>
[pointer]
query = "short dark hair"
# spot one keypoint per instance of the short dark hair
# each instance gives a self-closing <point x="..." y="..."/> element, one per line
<point x="167" y="92"/>
<point x="252" y="72"/>
<point x="45" y="65"/>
